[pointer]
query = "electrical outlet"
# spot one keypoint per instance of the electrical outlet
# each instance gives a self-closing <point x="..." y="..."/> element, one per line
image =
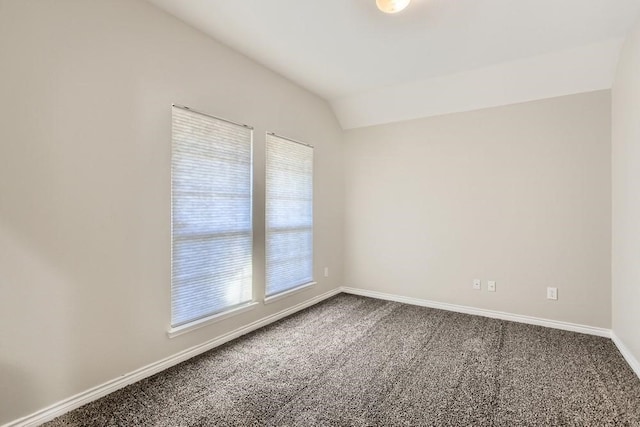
<point x="326" y="272"/>
<point x="491" y="286"/>
<point x="477" y="284"/>
<point x="552" y="293"/>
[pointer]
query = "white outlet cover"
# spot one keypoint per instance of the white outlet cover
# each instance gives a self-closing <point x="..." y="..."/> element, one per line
<point x="491" y="286"/>
<point x="552" y="293"/>
<point x="477" y="284"/>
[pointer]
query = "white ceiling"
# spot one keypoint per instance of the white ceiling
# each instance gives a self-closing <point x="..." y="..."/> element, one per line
<point x="346" y="50"/>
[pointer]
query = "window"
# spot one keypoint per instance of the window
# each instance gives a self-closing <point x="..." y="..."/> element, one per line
<point x="211" y="234"/>
<point x="289" y="214"/>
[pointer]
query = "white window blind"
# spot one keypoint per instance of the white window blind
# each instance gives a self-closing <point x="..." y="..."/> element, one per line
<point x="289" y="214"/>
<point x="211" y="234"/>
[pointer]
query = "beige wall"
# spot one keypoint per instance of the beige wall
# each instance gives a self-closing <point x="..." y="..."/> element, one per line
<point x="86" y="90"/>
<point x="517" y="194"/>
<point x="626" y="196"/>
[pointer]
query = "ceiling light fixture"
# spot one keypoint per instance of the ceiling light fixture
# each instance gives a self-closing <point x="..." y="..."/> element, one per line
<point x="392" y="6"/>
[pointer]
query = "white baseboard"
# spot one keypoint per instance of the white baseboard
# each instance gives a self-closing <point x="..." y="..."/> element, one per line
<point x="102" y="390"/>
<point x="626" y="353"/>
<point x="566" y="326"/>
<point x="591" y="330"/>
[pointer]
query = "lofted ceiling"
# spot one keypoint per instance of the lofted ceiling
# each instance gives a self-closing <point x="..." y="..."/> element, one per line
<point x="435" y="57"/>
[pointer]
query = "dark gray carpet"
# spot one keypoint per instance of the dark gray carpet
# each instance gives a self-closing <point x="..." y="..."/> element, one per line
<point x="355" y="361"/>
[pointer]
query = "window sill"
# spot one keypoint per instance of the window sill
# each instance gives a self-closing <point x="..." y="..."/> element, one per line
<point x="183" y="329"/>
<point x="284" y="294"/>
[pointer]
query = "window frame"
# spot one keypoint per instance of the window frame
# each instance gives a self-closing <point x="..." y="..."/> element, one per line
<point x="197" y="322"/>
<point x="269" y="298"/>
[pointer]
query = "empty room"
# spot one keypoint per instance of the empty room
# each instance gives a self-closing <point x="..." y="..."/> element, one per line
<point x="319" y="213"/>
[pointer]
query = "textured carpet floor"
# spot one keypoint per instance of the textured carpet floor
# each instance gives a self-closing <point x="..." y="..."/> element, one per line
<point x="355" y="361"/>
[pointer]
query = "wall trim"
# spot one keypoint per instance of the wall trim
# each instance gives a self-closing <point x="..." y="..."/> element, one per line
<point x="566" y="326"/>
<point x="209" y="320"/>
<point x="71" y="403"/>
<point x="555" y="324"/>
<point x="626" y="353"/>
